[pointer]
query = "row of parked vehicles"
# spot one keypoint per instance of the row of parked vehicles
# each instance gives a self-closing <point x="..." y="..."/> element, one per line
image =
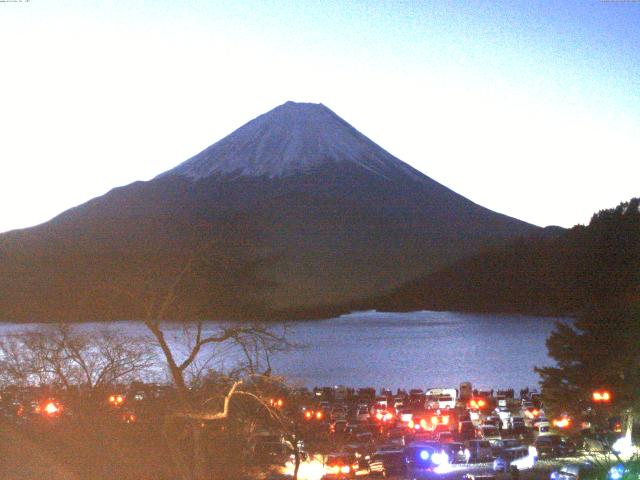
<point x="404" y="433"/>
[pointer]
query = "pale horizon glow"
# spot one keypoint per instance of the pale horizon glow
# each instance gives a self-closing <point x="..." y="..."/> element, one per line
<point x="529" y="110"/>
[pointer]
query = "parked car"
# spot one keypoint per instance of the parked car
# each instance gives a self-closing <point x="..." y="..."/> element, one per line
<point x="386" y="462"/>
<point x="338" y="426"/>
<point x="358" y="451"/>
<point x="520" y="457"/>
<point x="466" y="430"/>
<point x="488" y="432"/>
<point x="455" y="452"/>
<point x="364" y="438"/>
<point x="478" y="450"/>
<point x="502" y="412"/>
<point x="540" y="419"/>
<point x="445" y="437"/>
<point x="492" y="420"/>
<point x="573" y="471"/>
<point x="362" y="414"/>
<point x="517" y="425"/>
<point x="269" y="448"/>
<point x="510" y="443"/>
<point x="405" y="415"/>
<point x="396" y="436"/>
<point x="554" y="446"/>
<point x="340" y="465"/>
<point x="420" y="458"/>
<point x="597" y="442"/>
<point x="542" y="427"/>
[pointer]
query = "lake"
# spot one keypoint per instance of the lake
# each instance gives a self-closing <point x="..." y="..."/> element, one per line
<point x="419" y="349"/>
<point x="408" y="350"/>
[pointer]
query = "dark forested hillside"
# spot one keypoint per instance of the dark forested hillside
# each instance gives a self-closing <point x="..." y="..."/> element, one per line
<point x="559" y="272"/>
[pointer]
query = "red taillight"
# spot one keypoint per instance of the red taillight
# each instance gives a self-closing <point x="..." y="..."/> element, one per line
<point x="129" y="418"/>
<point x="445" y="419"/>
<point x="562" y="422"/>
<point x="411" y="424"/>
<point x="319" y="415"/>
<point x="481" y="403"/>
<point x="308" y="414"/>
<point x="600" y="396"/>
<point x="51" y="408"/>
<point x="423" y="423"/>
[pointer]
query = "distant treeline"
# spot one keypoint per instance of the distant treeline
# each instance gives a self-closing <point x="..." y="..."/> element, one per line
<point x="557" y="273"/>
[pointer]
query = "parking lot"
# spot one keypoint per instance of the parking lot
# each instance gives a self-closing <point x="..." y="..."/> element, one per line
<point x="338" y="433"/>
<point x="438" y="433"/>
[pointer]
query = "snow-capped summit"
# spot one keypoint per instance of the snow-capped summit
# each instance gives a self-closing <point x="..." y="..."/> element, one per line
<point x="292" y="138"/>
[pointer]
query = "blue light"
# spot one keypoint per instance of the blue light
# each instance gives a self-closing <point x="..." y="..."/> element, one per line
<point x="616" y="472"/>
<point x="424" y="454"/>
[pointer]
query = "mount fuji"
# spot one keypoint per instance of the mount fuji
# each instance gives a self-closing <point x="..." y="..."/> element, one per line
<point x="292" y="214"/>
<point x="294" y="138"/>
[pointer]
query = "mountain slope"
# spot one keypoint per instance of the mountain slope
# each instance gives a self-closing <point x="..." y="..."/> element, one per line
<point x="295" y="210"/>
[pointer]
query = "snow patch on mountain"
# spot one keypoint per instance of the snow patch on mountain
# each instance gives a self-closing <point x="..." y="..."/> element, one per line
<point x="290" y="139"/>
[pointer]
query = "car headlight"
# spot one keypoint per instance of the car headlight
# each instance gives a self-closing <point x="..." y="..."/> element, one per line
<point x="440" y="458"/>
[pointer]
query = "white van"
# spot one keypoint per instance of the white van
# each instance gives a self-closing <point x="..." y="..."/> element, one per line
<point x="441" y="398"/>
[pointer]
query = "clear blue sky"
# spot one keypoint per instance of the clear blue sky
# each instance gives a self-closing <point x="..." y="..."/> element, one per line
<point x="530" y="108"/>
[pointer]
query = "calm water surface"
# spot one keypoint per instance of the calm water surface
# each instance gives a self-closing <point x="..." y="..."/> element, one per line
<point x="419" y="349"/>
<point x="407" y="350"/>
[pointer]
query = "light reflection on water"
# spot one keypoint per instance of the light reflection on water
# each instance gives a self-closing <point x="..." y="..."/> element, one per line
<point x="406" y="350"/>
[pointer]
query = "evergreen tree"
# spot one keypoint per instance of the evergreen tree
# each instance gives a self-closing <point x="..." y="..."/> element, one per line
<point x="601" y="349"/>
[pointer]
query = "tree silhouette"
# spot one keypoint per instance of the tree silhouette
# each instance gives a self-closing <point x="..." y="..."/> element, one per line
<point x="600" y="349"/>
<point x="201" y="342"/>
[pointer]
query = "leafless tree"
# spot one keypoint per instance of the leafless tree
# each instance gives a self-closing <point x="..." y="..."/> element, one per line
<point x="66" y="355"/>
<point x="199" y="345"/>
